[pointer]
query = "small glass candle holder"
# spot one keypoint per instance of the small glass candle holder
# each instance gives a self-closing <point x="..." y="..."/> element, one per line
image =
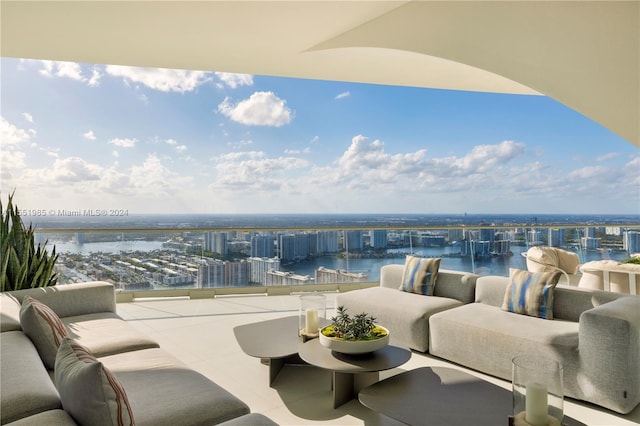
<point x="312" y="311"/>
<point x="538" y="394"/>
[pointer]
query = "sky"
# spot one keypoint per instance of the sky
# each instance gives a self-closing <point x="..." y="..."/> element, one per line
<point x="87" y="136"/>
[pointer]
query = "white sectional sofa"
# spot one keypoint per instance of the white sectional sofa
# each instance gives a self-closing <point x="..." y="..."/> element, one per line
<point x="595" y="335"/>
<point x="160" y="389"/>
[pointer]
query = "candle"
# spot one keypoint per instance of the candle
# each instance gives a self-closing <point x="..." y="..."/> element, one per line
<point x="311" y="320"/>
<point x="536" y="404"/>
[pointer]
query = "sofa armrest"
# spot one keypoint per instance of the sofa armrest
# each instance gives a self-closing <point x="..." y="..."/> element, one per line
<point x="74" y="299"/>
<point x="391" y="275"/>
<point x="609" y="345"/>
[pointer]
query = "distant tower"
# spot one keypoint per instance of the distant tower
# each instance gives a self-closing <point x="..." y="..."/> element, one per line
<point x="379" y="238"/>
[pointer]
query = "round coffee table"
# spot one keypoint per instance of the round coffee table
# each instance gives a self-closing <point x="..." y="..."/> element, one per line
<point x="352" y="372"/>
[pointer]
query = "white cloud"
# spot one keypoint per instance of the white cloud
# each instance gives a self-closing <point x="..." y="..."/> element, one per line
<point x="261" y="109"/>
<point x="607" y="157"/>
<point x="234" y="80"/>
<point x="180" y="149"/>
<point x="115" y="154"/>
<point x="11" y="135"/>
<point x="124" y="143"/>
<point x="71" y="70"/>
<point x="27" y="117"/>
<point x="171" y="142"/>
<point x="343" y="95"/>
<point x="253" y="171"/>
<point x="74" y="169"/>
<point x="89" y="135"/>
<point x="162" y="79"/>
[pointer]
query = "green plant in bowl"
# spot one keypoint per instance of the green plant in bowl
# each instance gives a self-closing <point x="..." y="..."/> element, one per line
<point x="353" y="334"/>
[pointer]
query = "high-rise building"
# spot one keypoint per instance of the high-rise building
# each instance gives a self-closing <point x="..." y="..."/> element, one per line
<point x="557" y="237"/>
<point x="631" y="241"/>
<point x="379" y="238"/>
<point x="211" y="274"/>
<point x="237" y="273"/>
<point x="331" y="276"/>
<point x="328" y="242"/>
<point x="260" y="267"/>
<point x="455" y="235"/>
<point x="590" y="243"/>
<point x="286" y="278"/>
<point x="216" y="242"/>
<point x="297" y="246"/>
<point x="262" y="246"/>
<point x="353" y="240"/>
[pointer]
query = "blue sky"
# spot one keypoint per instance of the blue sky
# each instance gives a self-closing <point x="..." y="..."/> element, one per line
<point x="84" y="136"/>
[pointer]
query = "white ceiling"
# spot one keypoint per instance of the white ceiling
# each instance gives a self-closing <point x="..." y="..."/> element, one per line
<point x="585" y="54"/>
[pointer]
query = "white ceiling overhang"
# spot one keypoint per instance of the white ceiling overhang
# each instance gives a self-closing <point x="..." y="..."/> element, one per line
<point x="585" y="54"/>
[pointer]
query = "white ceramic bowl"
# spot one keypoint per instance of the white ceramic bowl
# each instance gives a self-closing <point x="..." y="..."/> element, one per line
<point x="354" y="347"/>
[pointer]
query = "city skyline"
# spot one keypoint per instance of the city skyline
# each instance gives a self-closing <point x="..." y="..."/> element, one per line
<point x="84" y="136"/>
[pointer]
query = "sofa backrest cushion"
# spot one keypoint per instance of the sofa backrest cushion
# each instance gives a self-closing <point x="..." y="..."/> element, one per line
<point x="452" y="284"/>
<point x="69" y="300"/>
<point x="456" y="285"/>
<point x="44" y="328"/>
<point x="90" y="393"/>
<point x="9" y="313"/>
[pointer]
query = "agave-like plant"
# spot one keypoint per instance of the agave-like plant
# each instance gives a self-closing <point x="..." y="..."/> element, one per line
<point x="23" y="264"/>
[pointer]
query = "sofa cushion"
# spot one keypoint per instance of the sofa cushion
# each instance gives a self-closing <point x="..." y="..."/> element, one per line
<point x="419" y="275"/>
<point x="163" y="391"/>
<point x="43" y="327"/>
<point x="90" y="393"/>
<point x="486" y="338"/>
<point x="106" y="333"/>
<point x="25" y="386"/>
<point x="530" y="293"/>
<point x="48" y="418"/>
<point x="9" y="313"/>
<point x="405" y="315"/>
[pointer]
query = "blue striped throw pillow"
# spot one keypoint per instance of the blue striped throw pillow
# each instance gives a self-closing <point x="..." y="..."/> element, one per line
<point x="531" y="293"/>
<point x="419" y="275"/>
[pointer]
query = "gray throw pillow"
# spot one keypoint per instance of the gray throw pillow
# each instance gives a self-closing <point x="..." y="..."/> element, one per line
<point x="43" y="326"/>
<point x="89" y="392"/>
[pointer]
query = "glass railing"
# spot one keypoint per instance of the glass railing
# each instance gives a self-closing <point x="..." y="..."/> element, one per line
<point x="213" y="261"/>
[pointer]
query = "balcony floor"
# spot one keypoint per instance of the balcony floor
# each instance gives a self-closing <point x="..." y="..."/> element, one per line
<point x="200" y="333"/>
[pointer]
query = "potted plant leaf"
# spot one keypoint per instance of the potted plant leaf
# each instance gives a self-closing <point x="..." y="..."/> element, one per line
<point x="353" y="334"/>
<point x="23" y="265"/>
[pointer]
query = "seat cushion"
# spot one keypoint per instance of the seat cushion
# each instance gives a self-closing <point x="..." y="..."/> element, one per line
<point x="405" y="315"/>
<point x="48" y="418"/>
<point x="163" y="391"/>
<point x="105" y="333"/>
<point x="25" y="386"/>
<point x="486" y="338"/>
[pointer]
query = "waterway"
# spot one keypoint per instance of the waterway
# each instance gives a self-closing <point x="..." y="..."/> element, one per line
<point x="494" y="265"/>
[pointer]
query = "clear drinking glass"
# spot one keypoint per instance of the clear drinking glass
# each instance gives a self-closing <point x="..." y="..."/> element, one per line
<point x="312" y="310"/>
<point x="538" y="393"/>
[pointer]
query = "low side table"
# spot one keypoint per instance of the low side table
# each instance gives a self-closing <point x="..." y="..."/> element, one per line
<point x="273" y="340"/>
<point x="352" y="372"/>
<point x="442" y="396"/>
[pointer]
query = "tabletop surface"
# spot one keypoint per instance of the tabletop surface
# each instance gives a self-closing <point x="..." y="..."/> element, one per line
<point x="383" y="359"/>
<point x="441" y="395"/>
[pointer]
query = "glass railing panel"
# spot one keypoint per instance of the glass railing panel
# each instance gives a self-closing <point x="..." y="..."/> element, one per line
<point x="174" y="258"/>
